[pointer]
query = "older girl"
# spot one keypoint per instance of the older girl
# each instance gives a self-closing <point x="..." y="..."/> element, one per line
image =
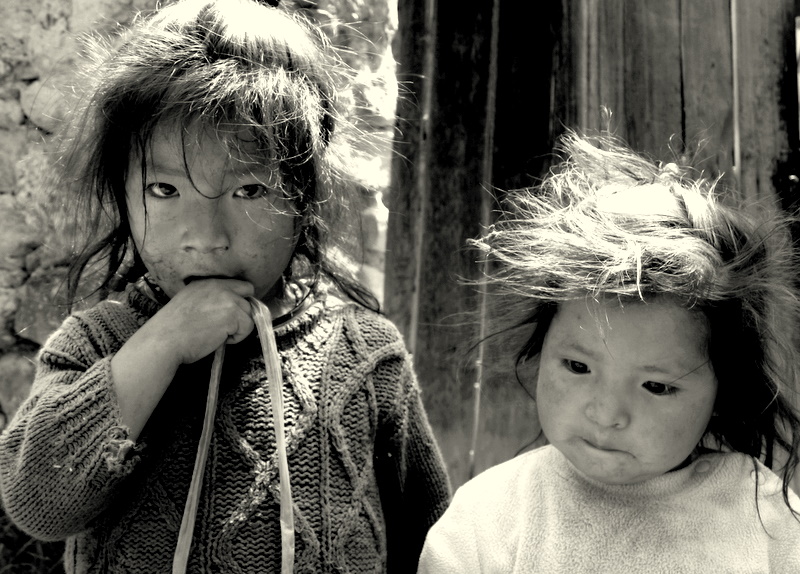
<point x="207" y="158"/>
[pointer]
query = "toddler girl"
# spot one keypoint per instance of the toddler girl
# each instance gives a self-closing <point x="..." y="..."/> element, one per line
<point x="659" y="327"/>
<point x="208" y="156"/>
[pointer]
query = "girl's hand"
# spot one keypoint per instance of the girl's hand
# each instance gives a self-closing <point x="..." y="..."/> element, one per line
<point x="200" y="318"/>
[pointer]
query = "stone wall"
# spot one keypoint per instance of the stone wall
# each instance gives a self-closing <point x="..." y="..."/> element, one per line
<point x="38" y="52"/>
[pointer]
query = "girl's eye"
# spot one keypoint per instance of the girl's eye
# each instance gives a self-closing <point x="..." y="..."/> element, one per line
<point x="162" y="190"/>
<point x="252" y="191"/>
<point x="659" y="388"/>
<point x="576" y="367"/>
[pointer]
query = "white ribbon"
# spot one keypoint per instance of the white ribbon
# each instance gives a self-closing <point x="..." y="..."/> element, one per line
<point x="272" y="362"/>
<point x="263" y="321"/>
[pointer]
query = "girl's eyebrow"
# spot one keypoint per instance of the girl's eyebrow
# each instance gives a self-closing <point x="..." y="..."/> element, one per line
<point x="677" y="372"/>
<point x="160" y="168"/>
<point x="669" y="372"/>
<point x="178" y="169"/>
<point x="575" y="346"/>
<point x="690" y="371"/>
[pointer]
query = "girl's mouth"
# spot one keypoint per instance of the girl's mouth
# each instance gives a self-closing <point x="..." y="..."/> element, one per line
<point x="192" y="278"/>
<point x="599" y="446"/>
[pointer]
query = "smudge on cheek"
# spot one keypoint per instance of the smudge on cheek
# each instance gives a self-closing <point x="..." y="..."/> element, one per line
<point x="548" y="386"/>
<point x="552" y="396"/>
<point x="159" y="264"/>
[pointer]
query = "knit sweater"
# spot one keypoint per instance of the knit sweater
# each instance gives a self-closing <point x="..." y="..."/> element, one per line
<point x="367" y="477"/>
<point x="538" y="514"/>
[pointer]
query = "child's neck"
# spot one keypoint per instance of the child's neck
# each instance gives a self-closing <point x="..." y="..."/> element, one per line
<point x="693" y="456"/>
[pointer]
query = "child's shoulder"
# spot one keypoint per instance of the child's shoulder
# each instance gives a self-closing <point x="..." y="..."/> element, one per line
<point x="114" y="317"/>
<point x="516" y="474"/>
<point x="373" y="328"/>
<point x="745" y="471"/>
<point x="746" y="480"/>
<point x="118" y="306"/>
<point x="509" y="489"/>
<point x="735" y="467"/>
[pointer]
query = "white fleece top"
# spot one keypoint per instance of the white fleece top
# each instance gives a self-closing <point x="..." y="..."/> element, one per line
<point x="537" y="513"/>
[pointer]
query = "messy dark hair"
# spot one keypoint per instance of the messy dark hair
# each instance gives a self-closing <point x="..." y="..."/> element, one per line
<point x="224" y="66"/>
<point x="607" y="221"/>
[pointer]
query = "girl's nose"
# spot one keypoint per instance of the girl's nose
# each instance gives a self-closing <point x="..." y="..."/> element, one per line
<point x="608" y="410"/>
<point x="205" y="228"/>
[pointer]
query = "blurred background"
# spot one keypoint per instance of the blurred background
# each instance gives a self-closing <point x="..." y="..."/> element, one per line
<point x="464" y="100"/>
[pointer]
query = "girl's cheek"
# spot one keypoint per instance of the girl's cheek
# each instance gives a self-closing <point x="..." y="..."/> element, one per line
<point x="551" y="391"/>
<point x="555" y="396"/>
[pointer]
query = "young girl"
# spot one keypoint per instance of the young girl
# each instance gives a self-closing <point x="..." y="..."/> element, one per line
<point x="210" y="140"/>
<point x="660" y="334"/>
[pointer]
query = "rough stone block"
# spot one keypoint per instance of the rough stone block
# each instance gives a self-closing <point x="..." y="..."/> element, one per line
<point x="41" y="308"/>
<point x="16" y="371"/>
<point x="10" y="114"/>
<point x="44" y="104"/>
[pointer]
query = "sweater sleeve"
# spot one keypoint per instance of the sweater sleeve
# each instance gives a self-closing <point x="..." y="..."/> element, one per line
<point x="411" y="473"/>
<point x="65" y="452"/>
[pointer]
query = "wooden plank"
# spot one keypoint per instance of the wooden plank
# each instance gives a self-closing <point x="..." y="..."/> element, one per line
<point x="767" y="77"/>
<point x="438" y="187"/>
<point x="567" y="65"/>
<point x="435" y="206"/>
<point x="766" y="70"/>
<point x="623" y="57"/>
<point x="528" y="34"/>
<point x="523" y="127"/>
<point x="606" y="68"/>
<point x="409" y="184"/>
<point x="651" y="36"/>
<point x="706" y="61"/>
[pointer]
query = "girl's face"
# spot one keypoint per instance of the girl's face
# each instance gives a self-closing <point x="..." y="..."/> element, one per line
<point x="626" y="393"/>
<point x="199" y="213"/>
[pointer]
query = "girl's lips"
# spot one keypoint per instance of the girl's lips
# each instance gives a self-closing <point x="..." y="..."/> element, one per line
<point x="600" y="446"/>
<point x="201" y="277"/>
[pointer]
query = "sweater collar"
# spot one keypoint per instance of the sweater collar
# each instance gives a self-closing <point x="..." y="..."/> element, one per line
<point x="673" y="482"/>
<point x="146" y="302"/>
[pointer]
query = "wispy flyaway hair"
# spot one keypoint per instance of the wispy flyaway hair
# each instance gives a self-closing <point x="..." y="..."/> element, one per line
<point x="607" y="221"/>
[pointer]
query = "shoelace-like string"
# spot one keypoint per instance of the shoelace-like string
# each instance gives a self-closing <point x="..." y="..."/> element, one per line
<point x="263" y="321"/>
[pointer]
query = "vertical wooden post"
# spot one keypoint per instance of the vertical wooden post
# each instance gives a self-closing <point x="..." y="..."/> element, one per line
<point x="435" y="202"/>
<point x="439" y="185"/>
<point x="767" y="114"/>
<point x="708" y="84"/>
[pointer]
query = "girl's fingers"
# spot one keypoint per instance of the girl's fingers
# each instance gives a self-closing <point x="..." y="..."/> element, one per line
<point x="204" y="315"/>
<point x="244" y="328"/>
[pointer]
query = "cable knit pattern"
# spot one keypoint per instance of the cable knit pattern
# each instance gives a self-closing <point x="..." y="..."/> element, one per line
<point x="538" y="514"/>
<point x="367" y="477"/>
